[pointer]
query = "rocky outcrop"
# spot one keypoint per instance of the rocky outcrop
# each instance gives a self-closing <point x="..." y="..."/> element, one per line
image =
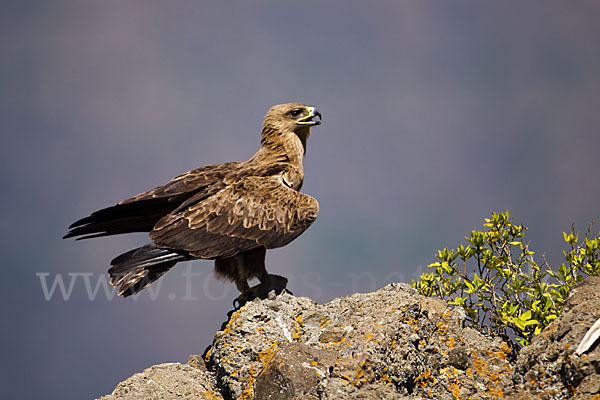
<point x="170" y="381"/>
<point x="390" y="344"/>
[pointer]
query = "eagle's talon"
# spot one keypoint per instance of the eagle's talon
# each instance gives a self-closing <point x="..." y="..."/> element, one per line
<point x="270" y="283"/>
<point x="243" y="298"/>
<point x="238" y="305"/>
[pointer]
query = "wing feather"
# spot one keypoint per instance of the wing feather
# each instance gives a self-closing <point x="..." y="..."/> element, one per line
<point x="141" y="213"/>
<point x="190" y="181"/>
<point x="255" y="211"/>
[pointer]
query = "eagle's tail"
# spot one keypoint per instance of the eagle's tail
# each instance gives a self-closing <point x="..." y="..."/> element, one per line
<point x="136" y="269"/>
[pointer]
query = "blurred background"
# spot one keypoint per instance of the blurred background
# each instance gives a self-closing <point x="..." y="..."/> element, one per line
<point x="435" y="114"/>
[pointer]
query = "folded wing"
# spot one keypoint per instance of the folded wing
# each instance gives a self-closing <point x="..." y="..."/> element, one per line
<point x="255" y="211"/>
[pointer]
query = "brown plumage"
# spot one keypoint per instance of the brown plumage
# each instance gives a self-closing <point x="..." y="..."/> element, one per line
<point x="229" y="212"/>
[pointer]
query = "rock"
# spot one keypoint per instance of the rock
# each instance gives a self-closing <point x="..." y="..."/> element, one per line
<point x="459" y="358"/>
<point x="392" y="343"/>
<point x="389" y="344"/>
<point x="169" y="381"/>
<point x="549" y="367"/>
<point x="294" y="371"/>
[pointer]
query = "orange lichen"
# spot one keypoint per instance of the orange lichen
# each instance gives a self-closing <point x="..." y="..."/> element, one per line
<point x="264" y="357"/>
<point x="297" y="328"/>
<point x="448" y="371"/>
<point x="267" y="354"/>
<point x="442" y="327"/>
<point x="425" y="378"/>
<point x="455" y="390"/>
<point x="212" y="395"/>
<point x="495" y="393"/>
<point x="361" y="375"/>
<point x="333" y="338"/>
<point x="450" y="343"/>
<point x="324" y="322"/>
<point x="480" y="366"/>
<point x="495" y="378"/>
<point x="502" y="354"/>
<point x="248" y="392"/>
<point x="384" y="378"/>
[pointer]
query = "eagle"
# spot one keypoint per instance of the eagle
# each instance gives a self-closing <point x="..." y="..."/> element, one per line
<point x="230" y="213"/>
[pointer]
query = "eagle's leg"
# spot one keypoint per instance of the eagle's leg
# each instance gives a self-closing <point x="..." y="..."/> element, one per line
<point x="254" y="261"/>
<point x="242" y="285"/>
<point x="248" y="265"/>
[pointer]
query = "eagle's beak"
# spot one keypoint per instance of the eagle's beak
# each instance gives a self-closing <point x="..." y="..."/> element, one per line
<point x="309" y="119"/>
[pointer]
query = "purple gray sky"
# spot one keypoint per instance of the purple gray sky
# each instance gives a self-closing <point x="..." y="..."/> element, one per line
<point x="435" y="114"/>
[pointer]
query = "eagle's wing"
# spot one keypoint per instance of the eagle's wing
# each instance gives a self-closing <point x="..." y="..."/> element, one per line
<point x="190" y="182"/>
<point x="140" y="213"/>
<point x="252" y="212"/>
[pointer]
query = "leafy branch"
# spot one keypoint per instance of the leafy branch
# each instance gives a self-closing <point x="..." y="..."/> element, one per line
<point x="496" y="280"/>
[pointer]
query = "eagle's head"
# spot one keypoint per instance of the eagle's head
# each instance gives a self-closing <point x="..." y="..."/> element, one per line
<point x="291" y="117"/>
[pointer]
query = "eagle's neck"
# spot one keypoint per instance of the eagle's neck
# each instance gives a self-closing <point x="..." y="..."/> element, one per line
<point x="286" y="149"/>
<point x="284" y="146"/>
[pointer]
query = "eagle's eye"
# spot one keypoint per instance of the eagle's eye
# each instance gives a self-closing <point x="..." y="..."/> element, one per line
<point x="295" y="112"/>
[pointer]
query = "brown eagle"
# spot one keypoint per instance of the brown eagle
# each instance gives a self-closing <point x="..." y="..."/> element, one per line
<point x="230" y="212"/>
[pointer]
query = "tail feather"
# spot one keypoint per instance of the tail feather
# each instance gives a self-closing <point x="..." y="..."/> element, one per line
<point x="134" y="270"/>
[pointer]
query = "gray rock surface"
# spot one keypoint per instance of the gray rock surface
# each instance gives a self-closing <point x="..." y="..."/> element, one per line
<point x="169" y="381"/>
<point x="389" y="344"/>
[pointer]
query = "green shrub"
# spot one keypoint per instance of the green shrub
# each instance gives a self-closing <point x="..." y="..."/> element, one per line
<point x="501" y="287"/>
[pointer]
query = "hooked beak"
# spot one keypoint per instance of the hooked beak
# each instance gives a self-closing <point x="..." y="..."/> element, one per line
<point x="310" y="118"/>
